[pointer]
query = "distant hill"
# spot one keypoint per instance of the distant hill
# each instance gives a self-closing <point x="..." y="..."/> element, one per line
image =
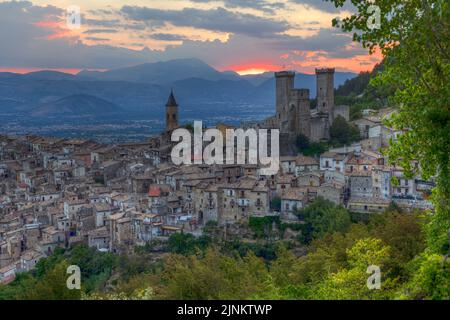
<point x="76" y="105"/>
<point x="164" y="72"/>
<point x="357" y="85"/>
<point x="48" y="75"/>
<point x="258" y="79"/>
<point x="144" y="88"/>
<point x="206" y="90"/>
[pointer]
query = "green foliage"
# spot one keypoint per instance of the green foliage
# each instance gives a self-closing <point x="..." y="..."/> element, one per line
<point x="52" y="286"/>
<point x="341" y="132"/>
<point x="47" y="264"/>
<point x="322" y="217"/>
<point x="275" y="204"/>
<point x="186" y="243"/>
<point x="354" y="86"/>
<point x="351" y="282"/>
<point x="189" y="126"/>
<point x="22" y="283"/>
<point x="311" y="149"/>
<point x="414" y="39"/>
<point x="334" y="268"/>
<point x="430" y="279"/>
<point x="263" y="226"/>
<point x="214" y="276"/>
<point x="48" y="280"/>
<point x="140" y="294"/>
<point x="267" y="251"/>
<point x="359" y="94"/>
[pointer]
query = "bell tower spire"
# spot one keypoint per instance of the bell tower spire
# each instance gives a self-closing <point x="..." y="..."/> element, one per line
<point x="171" y="112"/>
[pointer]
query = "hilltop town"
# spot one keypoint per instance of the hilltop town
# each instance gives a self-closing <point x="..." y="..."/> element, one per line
<point x="58" y="192"/>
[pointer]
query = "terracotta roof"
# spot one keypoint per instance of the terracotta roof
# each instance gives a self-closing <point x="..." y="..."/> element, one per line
<point x="304" y="161"/>
<point x="154" y="192"/>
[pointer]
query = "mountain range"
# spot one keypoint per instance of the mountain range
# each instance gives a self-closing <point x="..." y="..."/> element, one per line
<point x="141" y="88"/>
<point x="76" y="105"/>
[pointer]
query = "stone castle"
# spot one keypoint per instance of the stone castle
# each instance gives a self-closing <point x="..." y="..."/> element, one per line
<point x="294" y="115"/>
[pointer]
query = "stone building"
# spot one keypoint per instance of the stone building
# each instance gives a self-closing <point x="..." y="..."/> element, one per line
<point x="293" y="112"/>
<point x="361" y="184"/>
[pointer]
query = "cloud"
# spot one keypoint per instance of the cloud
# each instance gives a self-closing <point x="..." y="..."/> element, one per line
<point x="325" y="6"/>
<point x="219" y="20"/>
<point x="101" y="22"/>
<point x="168" y="37"/>
<point x="97" y="39"/>
<point x="260" y="5"/>
<point x="35" y="36"/>
<point x="95" y="31"/>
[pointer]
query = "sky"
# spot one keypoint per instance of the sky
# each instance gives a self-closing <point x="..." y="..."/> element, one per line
<point x="245" y="36"/>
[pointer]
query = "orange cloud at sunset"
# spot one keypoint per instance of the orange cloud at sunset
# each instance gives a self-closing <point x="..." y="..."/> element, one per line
<point x="319" y="59"/>
<point x="246" y="37"/>
<point x="58" y="30"/>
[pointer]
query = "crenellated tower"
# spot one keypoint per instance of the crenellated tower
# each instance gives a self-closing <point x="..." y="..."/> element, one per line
<point x="325" y="92"/>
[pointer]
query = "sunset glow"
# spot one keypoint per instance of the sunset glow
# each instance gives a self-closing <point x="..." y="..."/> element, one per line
<point x="245" y="37"/>
<point x="251" y="71"/>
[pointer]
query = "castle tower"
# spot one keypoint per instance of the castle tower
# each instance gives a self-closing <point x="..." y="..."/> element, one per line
<point x="171" y="113"/>
<point x="284" y="86"/>
<point x="302" y="115"/>
<point x="325" y="92"/>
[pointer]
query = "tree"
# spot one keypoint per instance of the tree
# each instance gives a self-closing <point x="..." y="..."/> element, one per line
<point x="186" y="243"/>
<point x="351" y="282"/>
<point x="430" y="280"/>
<point x="275" y="204"/>
<point x="322" y="217"/>
<point x="341" y="132"/>
<point x="214" y="276"/>
<point x="53" y="286"/>
<point x="414" y="38"/>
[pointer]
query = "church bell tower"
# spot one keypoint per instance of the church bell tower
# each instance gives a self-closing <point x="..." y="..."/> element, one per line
<point x="171" y="113"/>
